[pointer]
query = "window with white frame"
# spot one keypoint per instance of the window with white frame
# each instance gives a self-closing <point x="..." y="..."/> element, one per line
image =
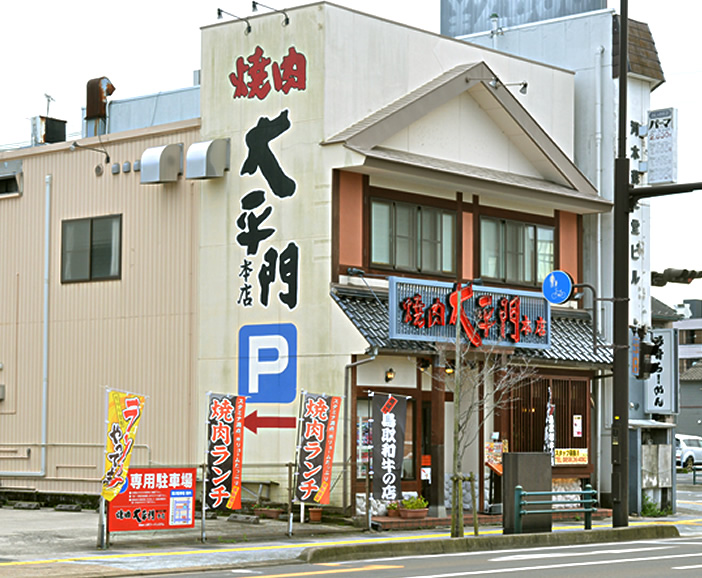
<point x="515" y="252"/>
<point x="91" y="249"/>
<point x="411" y="237"/>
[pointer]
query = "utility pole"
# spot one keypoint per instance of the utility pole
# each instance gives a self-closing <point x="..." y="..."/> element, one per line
<point x="620" y="389"/>
<point x="625" y="199"/>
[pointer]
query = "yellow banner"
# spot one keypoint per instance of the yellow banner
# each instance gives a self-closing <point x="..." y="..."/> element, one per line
<point x="124" y="411"/>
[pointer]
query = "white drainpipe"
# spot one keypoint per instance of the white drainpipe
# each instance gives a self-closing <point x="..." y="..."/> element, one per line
<point x="599" y="51"/>
<point x="45" y="341"/>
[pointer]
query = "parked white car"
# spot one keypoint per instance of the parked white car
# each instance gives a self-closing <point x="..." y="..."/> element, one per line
<point x="688" y="450"/>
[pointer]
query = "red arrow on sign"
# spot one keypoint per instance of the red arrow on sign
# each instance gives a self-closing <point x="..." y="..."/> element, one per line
<point x="253" y="422"/>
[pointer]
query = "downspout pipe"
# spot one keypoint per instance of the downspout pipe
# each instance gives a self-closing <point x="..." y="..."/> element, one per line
<point x="347" y="426"/>
<point x="45" y="340"/>
<point x="599" y="52"/>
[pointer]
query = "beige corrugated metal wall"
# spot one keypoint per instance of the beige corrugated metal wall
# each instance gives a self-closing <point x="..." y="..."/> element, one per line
<point x="137" y="334"/>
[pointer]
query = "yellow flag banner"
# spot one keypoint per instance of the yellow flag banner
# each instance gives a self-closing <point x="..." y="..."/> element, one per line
<point x="123" y="414"/>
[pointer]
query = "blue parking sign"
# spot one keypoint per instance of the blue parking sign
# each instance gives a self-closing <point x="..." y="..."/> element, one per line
<point x="268" y="363"/>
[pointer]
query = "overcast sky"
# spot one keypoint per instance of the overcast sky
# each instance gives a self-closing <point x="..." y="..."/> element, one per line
<point x="145" y="47"/>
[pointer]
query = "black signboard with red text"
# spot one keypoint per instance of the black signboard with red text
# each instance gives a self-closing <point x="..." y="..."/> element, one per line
<point x="389" y="417"/>
<point x="320" y="420"/>
<point x="428" y="311"/>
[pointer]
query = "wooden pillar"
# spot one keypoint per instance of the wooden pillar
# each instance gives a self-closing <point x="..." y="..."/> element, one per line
<point x="436" y="492"/>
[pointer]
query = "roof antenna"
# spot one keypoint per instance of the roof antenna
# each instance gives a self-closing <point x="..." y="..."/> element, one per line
<point x="49" y="100"/>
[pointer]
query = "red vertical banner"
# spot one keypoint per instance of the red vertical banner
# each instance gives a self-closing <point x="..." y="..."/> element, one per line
<point x="225" y="444"/>
<point x="234" y="502"/>
<point x="320" y="418"/>
<point x="322" y="497"/>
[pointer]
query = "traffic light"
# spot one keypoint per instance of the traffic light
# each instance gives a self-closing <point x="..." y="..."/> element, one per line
<point x="650" y="355"/>
<point x="674" y="276"/>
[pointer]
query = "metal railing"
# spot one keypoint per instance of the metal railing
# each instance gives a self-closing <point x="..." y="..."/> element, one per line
<point x="586" y="502"/>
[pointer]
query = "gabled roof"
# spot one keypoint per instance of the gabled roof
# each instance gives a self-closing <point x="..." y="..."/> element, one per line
<point x="662" y="312"/>
<point x="561" y="176"/>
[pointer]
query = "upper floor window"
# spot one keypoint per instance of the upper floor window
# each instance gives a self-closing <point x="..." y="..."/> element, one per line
<point x="515" y="252"/>
<point x="91" y="249"/>
<point x="411" y="237"/>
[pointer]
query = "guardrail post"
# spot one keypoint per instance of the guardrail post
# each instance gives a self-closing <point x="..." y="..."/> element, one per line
<point x="588" y="509"/>
<point x="518" y="492"/>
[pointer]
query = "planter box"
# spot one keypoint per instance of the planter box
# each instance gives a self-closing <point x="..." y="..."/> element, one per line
<point x="273" y="513"/>
<point x="414" y="514"/>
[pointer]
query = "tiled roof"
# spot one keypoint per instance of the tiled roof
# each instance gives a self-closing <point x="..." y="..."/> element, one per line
<point x="571" y="341"/>
<point x="369" y="313"/>
<point x="692" y="374"/>
<point x="571" y="331"/>
<point x="642" y="53"/>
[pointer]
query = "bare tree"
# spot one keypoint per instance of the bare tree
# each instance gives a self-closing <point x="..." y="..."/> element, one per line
<point x="484" y="381"/>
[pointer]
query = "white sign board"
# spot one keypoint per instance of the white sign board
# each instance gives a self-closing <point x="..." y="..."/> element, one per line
<point x="661" y="389"/>
<point x="662" y="146"/>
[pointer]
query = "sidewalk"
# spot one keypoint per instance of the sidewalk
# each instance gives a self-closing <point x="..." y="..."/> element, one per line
<point x="56" y="543"/>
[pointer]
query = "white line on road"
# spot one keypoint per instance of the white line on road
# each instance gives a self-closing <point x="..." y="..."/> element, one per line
<point x="571" y="554"/>
<point x="558" y="566"/>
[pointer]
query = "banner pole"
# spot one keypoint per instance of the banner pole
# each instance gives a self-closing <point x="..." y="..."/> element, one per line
<point x="371" y="463"/>
<point x="203" y="534"/>
<point x="101" y="525"/>
<point x="290" y="498"/>
<point x="297" y="459"/>
<point x="101" y="521"/>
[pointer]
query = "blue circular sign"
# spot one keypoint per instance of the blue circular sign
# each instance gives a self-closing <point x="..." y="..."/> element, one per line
<point x="557" y="287"/>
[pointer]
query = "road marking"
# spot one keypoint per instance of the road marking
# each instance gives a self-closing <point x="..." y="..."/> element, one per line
<point x="558" y="566"/>
<point x="336" y="571"/>
<point x="571" y="554"/>
<point x="300" y="546"/>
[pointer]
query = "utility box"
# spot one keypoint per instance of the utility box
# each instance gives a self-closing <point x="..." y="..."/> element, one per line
<point x="532" y="471"/>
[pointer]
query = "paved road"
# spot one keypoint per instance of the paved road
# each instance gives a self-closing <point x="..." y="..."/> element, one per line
<point x="48" y="542"/>
<point x="682" y="556"/>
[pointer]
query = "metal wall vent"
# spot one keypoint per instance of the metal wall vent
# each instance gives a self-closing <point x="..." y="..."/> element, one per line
<point x="208" y="159"/>
<point x="162" y="164"/>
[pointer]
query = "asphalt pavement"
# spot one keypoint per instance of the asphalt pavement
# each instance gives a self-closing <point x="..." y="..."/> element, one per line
<point x="47" y="542"/>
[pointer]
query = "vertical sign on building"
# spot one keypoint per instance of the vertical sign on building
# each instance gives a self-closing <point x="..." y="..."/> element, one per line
<point x="550" y="428"/>
<point x="225" y="448"/>
<point x="389" y="416"/>
<point x="662" y="146"/>
<point x="266" y="265"/>
<point x="320" y="420"/>
<point x="124" y="411"/>
<point x="661" y="389"/>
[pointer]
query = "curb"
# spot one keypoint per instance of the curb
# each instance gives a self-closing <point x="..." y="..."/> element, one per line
<point x="479" y="544"/>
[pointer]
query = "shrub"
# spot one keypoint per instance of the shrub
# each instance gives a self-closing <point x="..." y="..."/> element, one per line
<point x="414" y="503"/>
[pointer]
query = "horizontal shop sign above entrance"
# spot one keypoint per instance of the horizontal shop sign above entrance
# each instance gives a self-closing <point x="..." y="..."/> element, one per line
<point x="422" y="310"/>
